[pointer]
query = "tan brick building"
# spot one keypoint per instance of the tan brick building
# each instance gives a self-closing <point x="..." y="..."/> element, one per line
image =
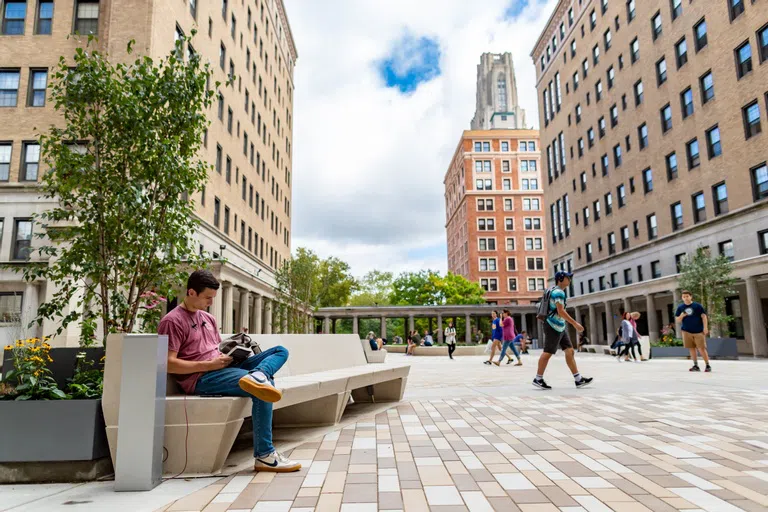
<point x="246" y="206"/>
<point x="495" y="216"/>
<point x="651" y="115"/>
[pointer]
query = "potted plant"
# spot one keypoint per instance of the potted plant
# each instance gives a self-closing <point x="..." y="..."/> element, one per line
<point x="30" y="396"/>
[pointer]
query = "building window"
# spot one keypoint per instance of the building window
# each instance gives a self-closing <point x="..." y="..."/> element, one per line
<point x="630" y="10"/>
<point x="510" y="243"/>
<point x="627" y="276"/>
<point x="226" y="220"/>
<point x="636" y="228"/>
<point x="588" y="250"/>
<point x="634" y="50"/>
<point x="656" y="25"/>
<point x="653" y="228"/>
<point x="38" y="84"/>
<point x="707" y="87"/>
<point x="30" y="162"/>
<point x="692" y="150"/>
<point x="661" y="71"/>
<point x="762" y="41"/>
<point x="655" y="269"/>
<point x="759" y="182"/>
<point x="505" y="146"/>
<point x="601" y="281"/>
<point x="535" y="263"/>
<point x="751" y="115"/>
<point x="671" y="166"/>
<point x="666" y="118"/>
<point x="14" y="17"/>
<point x="677" y="216"/>
<point x="531" y="204"/>
<point x="508" y="204"/>
<point x="512" y="284"/>
<point x="487" y="264"/>
<point x="638" y="93"/>
<point x="586" y="216"/>
<point x="9" y="87"/>
<point x="762" y="238"/>
<point x="714" y="147"/>
<point x="509" y="224"/>
<point x="617" y="155"/>
<point x="614" y="116"/>
<point x="686" y="102"/>
<point x="624" y="238"/>
<point x="506" y="184"/>
<point x="87" y="17"/>
<point x="486" y="224"/>
<point x="679" y="261"/>
<point x="228" y="171"/>
<point x="608" y="203"/>
<point x="44" y="21"/>
<point x="5" y="163"/>
<point x="22" y="239"/>
<point x="700" y="34"/>
<point x="591" y="286"/>
<point x="611" y="243"/>
<point x="534" y="244"/>
<point x="677" y="9"/>
<point x="642" y="135"/>
<point x="736" y="7"/>
<point x="592" y="20"/>
<point x="726" y="249"/>
<point x="640" y="274"/>
<point x="699" y="207"/>
<point x="720" y="198"/>
<point x="487" y="244"/>
<point x="532" y="223"/>
<point x="622" y="195"/>
<point x="229" y="119"/>
<point x="743" y="59"/>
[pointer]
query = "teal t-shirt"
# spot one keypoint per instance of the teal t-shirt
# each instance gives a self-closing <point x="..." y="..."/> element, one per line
<point x="556" y="321"/>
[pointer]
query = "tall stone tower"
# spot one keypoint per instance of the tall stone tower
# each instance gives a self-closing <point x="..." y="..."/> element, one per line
<point x="497" y="94"/>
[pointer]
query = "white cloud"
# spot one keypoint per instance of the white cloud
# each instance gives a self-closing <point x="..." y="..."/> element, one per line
<point x="369" y="161"/>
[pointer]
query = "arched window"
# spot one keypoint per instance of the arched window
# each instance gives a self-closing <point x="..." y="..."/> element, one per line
<point x="501" y="87"/>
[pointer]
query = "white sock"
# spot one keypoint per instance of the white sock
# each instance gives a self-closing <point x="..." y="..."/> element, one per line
<point x="577" y="377"/>
<point x="539" y="377"/>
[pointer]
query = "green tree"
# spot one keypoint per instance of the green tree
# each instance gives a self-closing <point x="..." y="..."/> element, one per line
<point x="373" y="289"/>
<point x="457" y="289"/>
<point x="417" y="289"/>
<point x="297" y="288"/>
<point x="711" y="281"/>
<point x="121" y="169"/>
<point x="336" y="283"/>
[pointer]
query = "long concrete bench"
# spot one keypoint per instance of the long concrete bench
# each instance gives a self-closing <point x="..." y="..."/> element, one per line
<point x="321" y="374"/>
<point x="373" y="356"/>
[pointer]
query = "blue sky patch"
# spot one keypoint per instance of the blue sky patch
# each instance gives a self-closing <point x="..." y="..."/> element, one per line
<point x="515" y="9"/>
<point x="411" y="62"/>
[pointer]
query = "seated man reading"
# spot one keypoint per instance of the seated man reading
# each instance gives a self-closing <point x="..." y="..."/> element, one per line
<point x="200" y="369"/>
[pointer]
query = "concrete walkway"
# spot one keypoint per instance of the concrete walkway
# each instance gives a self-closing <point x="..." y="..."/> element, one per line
<point x="646" y="437"/>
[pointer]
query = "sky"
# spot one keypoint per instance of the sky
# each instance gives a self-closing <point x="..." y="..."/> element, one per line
<point x="383" y="90"/>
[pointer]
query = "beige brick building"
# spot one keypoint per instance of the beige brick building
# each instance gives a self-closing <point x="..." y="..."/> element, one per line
<point x="246" y="206"/>
<point x="495" y="216"/>
<point x="651" y="124"/>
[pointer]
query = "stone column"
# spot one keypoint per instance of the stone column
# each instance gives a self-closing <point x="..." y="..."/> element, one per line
<point x="245" y="310"/>
<point x="524" y="323"/>
<point x="355" y="325"/>
<point x="286" y="312"/>
<point x="653" y="324"/>
<point x="756" y="319"/>
<point x="593" y="324"/>
<point x="228" y="301"/>
<point x="268" y="316"/>
<point x="610" y="330"/>
<point x="383" y="332"/>
<point x="326" y="325"/>
<point x="440" y="337"/>
<point x="627" y="304"/>
<point x="468" y="330"/>
<point x="310" y="324"/>
<point x="257" y="314"/>
<point x="577" y="315"/>
<point x="217" y="309"/>
<point x="410" y="323"/>
<point x="676" y="299"/>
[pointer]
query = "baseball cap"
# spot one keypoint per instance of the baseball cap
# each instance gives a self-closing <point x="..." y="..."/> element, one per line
<point x="562" y="275"/>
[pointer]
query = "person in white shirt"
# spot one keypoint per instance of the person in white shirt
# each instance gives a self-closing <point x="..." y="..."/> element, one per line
<point x="450" y="338"/>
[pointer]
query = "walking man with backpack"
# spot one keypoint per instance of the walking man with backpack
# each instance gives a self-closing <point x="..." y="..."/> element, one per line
<point x="553" y="315"/>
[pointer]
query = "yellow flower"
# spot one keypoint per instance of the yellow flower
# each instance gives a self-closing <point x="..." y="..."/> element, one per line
<point x="8" y="347"/>
<point x="50" y="360"/>
<point x="19" y="343"/>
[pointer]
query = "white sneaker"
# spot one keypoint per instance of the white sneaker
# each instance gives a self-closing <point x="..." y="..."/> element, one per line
<point x="276" y="463"/>
<point x="257" y="384"/>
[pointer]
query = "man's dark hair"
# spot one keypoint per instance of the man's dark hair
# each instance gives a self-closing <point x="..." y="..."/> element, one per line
<point x="686" y="292"/>
<point x="523" y="332"/>
<point x="506" y="311"/>
<point x="199" y="280"/>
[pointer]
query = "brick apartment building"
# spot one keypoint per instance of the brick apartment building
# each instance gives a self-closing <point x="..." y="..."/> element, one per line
<point x="495" y="214"/>
<point x="651" y="115"/>
<point x="245" y="208"/>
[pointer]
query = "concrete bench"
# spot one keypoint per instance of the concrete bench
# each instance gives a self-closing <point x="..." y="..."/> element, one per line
<point x="322" y="372"/>
<point x="373" y="356"/>
<point x="440" y="350"/>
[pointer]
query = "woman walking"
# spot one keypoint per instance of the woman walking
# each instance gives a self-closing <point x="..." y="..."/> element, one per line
<point x="635" y="316"/>
<point x="508" y="334"/>
<point x="627" y="331"/>
<point x="450" y="338"/>
<point x="497" y="334"/>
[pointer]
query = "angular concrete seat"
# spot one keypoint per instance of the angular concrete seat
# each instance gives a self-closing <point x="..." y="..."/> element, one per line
<point x="373" y="356"/>
<point x="321" y="373"/>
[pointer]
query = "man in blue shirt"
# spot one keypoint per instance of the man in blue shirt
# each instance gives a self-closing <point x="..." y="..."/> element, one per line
<point x="695" y="327"/>
<point x="556" y="335"/>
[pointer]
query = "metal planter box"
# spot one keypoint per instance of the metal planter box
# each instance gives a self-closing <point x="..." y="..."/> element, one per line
<point x="718" y="348"/>
<point x="52" y="430"/>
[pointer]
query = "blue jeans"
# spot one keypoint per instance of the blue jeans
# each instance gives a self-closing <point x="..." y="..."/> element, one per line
<point x="224" y="382"/>
<point x="508" y="344"/>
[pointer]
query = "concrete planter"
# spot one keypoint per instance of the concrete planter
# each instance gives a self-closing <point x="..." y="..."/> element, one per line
<point x="718" y="348"/>
<point x="52" y="430"/>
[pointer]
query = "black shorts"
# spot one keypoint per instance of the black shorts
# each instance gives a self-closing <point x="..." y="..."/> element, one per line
<point x="554" y="339"/>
